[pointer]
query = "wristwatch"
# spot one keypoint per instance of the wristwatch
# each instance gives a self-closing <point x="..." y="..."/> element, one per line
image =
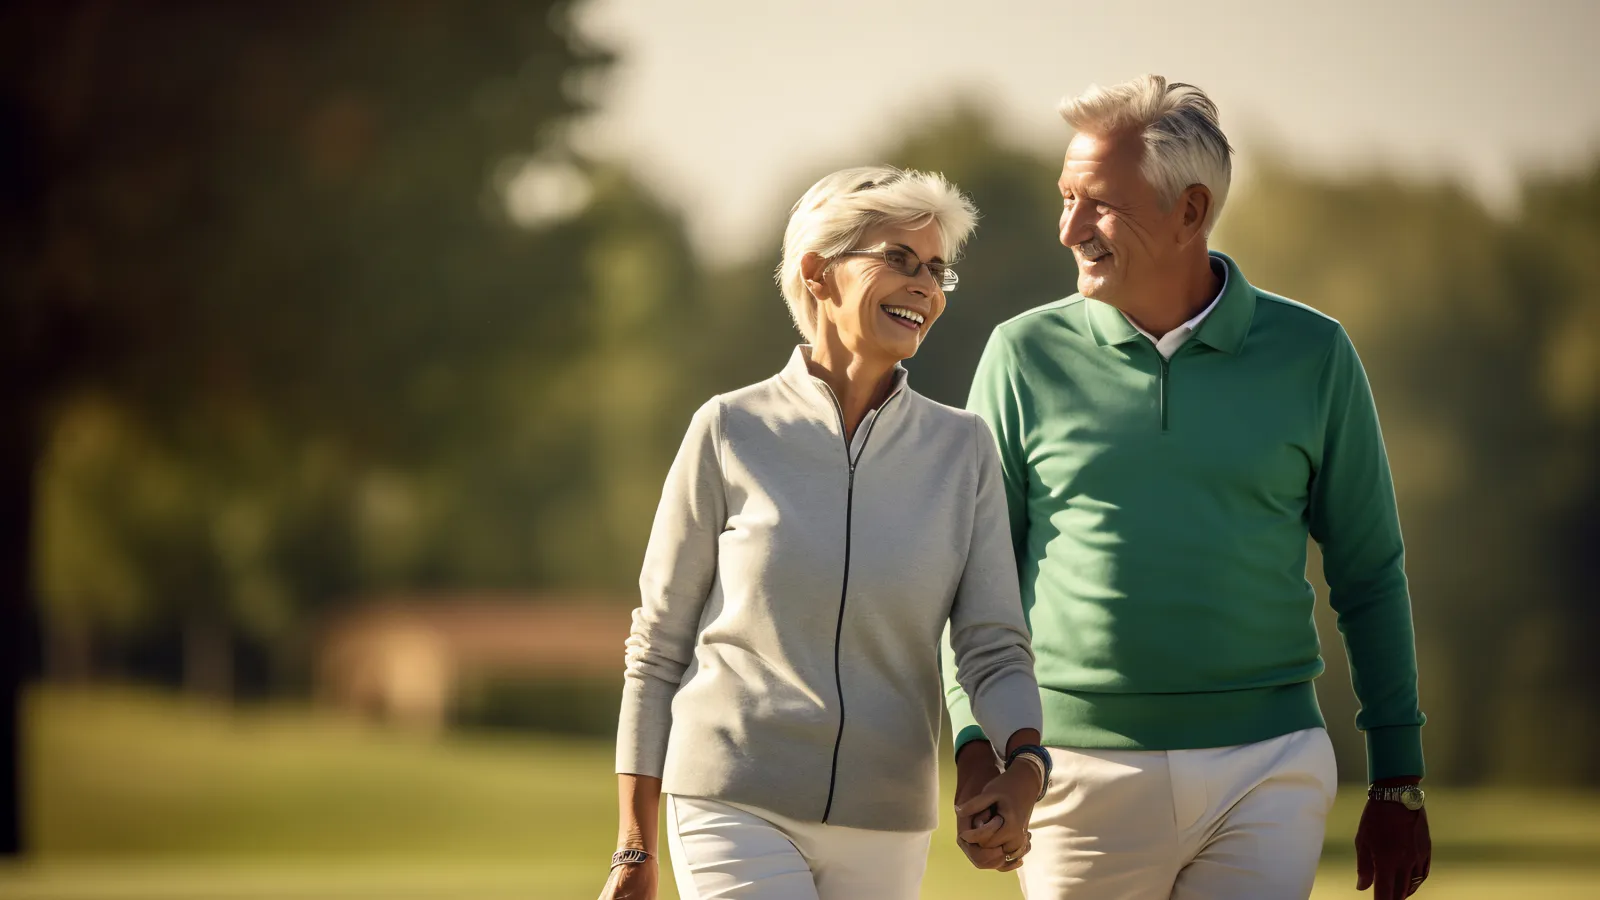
<point x="1408" y="795"/>
<point x="628" y="856"/>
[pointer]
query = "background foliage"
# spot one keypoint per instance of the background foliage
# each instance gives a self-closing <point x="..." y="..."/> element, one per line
<point x="302" y="304"/>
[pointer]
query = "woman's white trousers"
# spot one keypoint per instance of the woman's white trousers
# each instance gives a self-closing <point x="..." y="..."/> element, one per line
<point x="722" y="852"/>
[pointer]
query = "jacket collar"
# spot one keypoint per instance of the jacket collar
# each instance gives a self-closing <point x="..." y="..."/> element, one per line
<point x="1224" y="329"/>
<point x="797" y="374"/>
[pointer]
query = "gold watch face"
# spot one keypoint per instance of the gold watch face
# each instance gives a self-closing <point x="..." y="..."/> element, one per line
<point x="1412" y="798"/>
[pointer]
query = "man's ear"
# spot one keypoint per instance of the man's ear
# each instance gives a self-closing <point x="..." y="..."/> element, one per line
<point x="813" y="268"/>
<point x="1195" y="204"/>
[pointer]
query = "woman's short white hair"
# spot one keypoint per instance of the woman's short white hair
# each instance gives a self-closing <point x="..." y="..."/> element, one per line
<point x="839" y="209"/>
<point x="1183" y="141"/>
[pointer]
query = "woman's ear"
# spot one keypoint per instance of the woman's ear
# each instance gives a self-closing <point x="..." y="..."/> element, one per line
<point x="814" y="269"/>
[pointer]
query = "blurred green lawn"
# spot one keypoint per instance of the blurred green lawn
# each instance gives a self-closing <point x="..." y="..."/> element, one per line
<point x="139" y="795"/>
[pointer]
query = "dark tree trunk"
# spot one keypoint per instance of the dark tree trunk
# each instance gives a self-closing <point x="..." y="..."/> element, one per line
<point x="22" y="340"/>
<point x="1578" y="535"/>
<point x="19" y="430"/>
<point x="208" y="658"/>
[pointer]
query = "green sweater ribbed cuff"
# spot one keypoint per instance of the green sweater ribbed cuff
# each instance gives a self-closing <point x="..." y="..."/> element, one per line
<point x="966" y="736"/>
<point x="1394" y="751"/>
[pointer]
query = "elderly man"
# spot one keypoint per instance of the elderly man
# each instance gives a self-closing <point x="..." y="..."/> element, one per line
<point x="1169" y="437"/>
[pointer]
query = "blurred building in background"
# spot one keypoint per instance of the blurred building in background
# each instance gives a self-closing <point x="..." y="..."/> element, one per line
<point x="418" y="662"/>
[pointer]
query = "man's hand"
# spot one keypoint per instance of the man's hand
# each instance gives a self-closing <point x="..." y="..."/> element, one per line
<point x="1393" y="849"/>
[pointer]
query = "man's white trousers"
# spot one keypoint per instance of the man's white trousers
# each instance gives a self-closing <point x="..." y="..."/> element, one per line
<point x="722" y="852"/>
<point x="1230" y="823"/>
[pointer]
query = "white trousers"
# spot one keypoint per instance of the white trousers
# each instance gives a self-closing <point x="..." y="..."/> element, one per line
<point x="724" y="851"/>
<point x="1231" y="823"/>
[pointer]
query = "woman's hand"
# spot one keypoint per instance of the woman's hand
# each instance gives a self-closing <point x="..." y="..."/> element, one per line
<point x="632" y="881"/>
<point x="1009" y="799"/>
<point x="638" y="806"/>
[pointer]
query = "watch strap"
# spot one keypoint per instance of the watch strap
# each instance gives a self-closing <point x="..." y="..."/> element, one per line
<point x="1408" y="795"/>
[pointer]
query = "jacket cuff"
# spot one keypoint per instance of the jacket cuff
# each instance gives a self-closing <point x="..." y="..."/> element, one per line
<point x="1394" y="751"/>
<point x="644" y="723"/>
<point x="1006" y="704"/>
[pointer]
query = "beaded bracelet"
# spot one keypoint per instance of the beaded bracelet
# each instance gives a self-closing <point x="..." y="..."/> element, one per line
<point x="1044" y="780"/>
<point x="1039" y="757"/>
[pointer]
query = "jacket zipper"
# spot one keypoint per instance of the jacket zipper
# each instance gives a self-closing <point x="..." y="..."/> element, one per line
<point x="1166" y="375"/>
<point x="844" y="587"/>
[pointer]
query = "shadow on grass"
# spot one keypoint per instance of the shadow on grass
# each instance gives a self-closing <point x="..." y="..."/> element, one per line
<point x="1565" y="855"/>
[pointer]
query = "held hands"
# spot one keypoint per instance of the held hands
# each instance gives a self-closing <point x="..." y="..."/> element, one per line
<point x="992" y="811"/>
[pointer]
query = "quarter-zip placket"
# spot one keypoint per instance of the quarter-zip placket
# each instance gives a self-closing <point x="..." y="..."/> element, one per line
<point x="1166" y="376"/>
<point x="844" y="587"/>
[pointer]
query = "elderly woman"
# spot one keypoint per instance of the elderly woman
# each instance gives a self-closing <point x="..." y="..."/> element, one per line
<point x="816" y="534"/>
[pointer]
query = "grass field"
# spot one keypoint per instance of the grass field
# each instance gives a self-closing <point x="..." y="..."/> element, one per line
<point x="136" y="795"/>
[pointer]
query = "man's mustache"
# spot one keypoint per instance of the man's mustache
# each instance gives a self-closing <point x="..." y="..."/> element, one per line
<point x="1092" y="248"/>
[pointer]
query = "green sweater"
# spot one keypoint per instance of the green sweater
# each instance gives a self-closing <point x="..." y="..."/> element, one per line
<point x="1159" y="513"/>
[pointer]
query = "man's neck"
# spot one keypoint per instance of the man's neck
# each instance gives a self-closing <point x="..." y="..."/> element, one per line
<point x="1176" y="299"/>
<point x="858" y="383"/>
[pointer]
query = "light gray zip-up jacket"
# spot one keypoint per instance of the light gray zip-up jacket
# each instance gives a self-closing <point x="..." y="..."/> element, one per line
<point x="786" y="651"/>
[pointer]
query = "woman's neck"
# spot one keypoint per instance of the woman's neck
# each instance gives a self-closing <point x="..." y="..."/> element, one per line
<point x="859" y="384"/>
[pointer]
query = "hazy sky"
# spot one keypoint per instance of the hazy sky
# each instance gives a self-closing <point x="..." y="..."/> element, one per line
<point x="729" y="106"/>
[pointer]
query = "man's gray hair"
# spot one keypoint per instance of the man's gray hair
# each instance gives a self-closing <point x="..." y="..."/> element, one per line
<point x="839" y="209"/>
<point x="1183" y="141"/>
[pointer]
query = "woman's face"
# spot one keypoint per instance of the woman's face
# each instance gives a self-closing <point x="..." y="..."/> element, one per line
<point x="874" y="311"/>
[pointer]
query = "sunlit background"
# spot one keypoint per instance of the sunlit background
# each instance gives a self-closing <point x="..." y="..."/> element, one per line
<point x="344" y="348"/>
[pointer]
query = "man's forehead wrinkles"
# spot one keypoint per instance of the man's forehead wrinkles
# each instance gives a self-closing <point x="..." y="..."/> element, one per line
<point x="1083" y="176"/>
<point x="1084" y="182"/>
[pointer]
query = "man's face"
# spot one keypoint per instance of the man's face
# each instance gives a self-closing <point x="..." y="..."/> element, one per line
<point x="1111" y="217"/>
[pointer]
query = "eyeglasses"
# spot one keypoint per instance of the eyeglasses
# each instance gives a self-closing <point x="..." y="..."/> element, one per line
<point x="909" y="264"/>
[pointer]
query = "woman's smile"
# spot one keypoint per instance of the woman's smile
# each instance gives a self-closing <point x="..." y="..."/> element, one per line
<point x="904" y="316"/>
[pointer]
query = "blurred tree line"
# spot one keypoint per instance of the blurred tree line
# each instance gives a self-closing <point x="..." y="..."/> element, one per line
<point x="302" y="301"/>
<point x="308" y="302"/>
